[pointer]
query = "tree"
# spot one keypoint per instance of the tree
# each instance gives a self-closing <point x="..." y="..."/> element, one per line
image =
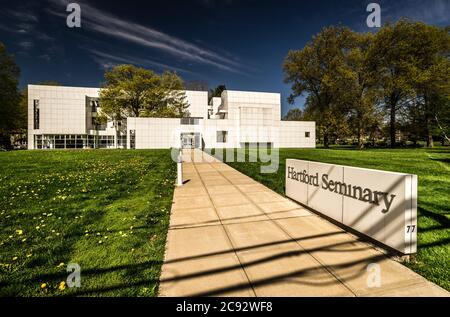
<point x="196" y="85"/>
<point x="391" y="60"/>
<point x="441" y="116"/>
<point x="9" y="97"/>
<point x="294" y="114"/>
<point x="136" y="92"/>
<point x="216" y="92"/>
<point x="330" y="123"/>
<point x="356" y="88"/>
<point x="430" y="74"/>
<point x="316" y="70"/>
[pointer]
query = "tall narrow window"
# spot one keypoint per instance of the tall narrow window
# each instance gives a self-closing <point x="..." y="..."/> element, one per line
<point x="36" y="114"/>
<point x="132" y="139"/>
<point x="222" y="136"/>
<point x="93" y="106"/>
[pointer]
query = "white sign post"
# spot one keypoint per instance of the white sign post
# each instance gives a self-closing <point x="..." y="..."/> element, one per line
<point x="379" y="204"/>
<point x="180" y="169"/>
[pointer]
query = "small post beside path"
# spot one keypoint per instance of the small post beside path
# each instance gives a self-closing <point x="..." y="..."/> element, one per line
<point x="180" y="169"/>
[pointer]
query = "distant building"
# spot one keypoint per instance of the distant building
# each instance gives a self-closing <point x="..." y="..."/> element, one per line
<point x="64" y="118"/>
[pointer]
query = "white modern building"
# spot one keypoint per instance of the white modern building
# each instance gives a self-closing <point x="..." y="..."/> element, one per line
<point x="64" y="118"/>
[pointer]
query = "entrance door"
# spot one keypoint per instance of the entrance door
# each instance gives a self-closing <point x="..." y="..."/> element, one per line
<point x="190" y="140"/>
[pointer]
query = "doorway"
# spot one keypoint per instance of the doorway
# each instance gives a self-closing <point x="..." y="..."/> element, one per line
<point x="190" y="140"/>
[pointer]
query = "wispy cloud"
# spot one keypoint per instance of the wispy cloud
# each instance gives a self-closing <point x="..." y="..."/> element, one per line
<point x="107" y="24"/>
<point x="26" y="45"/>
<point x="24" y="25"/>
<point x="430" y="11"/>
<point x="23" y="15"/>
<point x="107" y="60"/>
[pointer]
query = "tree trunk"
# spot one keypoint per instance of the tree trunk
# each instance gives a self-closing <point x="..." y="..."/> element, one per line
<point x="326" y="143"/>
<point x="360" y="138"/>
<point x="392" y="123"/>
<point x="428" y="133"/>
<point x="430" y="142"/>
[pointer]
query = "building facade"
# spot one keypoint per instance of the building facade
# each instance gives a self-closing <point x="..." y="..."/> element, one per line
<point x="65" y="118"/>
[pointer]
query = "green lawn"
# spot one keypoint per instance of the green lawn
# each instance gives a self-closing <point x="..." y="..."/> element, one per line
<point x="433" y="170"/>
<point x="108" y="211"/>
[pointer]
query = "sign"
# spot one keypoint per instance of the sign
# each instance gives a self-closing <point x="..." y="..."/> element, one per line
<point x="379" y="204"/>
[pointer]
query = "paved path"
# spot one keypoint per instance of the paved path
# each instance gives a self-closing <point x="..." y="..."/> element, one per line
<point x="231" y="236"/>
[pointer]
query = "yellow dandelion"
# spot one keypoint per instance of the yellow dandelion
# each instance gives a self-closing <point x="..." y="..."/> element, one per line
<point x="15" y="258"/>
<point x="43" y="285"/>
<point x="62" y="286"/>
<point x="19" y="232"/>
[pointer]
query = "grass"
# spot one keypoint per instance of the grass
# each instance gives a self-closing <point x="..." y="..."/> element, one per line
<point x="107" y="211"/>
<point x="433" y="169"/>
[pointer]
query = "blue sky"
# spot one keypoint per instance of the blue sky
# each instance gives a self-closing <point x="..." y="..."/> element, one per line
<point x="239" y="43"/>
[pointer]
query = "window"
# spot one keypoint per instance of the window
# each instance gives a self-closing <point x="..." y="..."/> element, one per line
<point x="132" y="139"/>
<point x="36" y="114"/>
<point x="94" y="105"/>
<point x="222" y="136"/>
<point x="190" y="121"/>
<point x="98" y="126"/>
<point x="307" y="134"/>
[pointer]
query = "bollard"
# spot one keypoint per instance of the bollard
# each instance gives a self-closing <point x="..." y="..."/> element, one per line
<point x="180" y="170"/>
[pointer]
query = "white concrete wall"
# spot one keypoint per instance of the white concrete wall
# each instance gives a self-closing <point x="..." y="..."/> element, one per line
<point x="292" y="134"/>
<point x="209" y="133"/>
<point x="154" y="133"/>
<point x="62" y="110"/>
<point x="198" y="103"/>
<point x="216" y="103"/>
<point x="255" y="113"/>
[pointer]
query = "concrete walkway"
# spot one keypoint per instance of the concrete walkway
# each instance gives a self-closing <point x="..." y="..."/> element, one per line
<point x="231" y="236"/>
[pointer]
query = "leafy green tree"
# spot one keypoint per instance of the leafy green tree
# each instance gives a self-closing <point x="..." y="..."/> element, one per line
<point x="10" y="97"/>
<point x="355" y="88"/>
<point x="330" y="123"/>
<point x="392" y="59"/>
<point x="294" y="114"/>
<point x="430" y="73"/>
<point x="316" y="70"/>
<point x="130" y="91"/>
<point x="441" y="116"/>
